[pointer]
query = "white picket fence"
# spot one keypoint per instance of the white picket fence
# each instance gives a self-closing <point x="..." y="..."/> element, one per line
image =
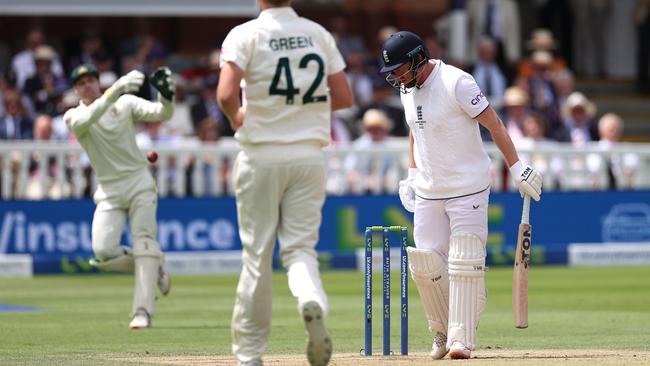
<point x="37" y="170"/>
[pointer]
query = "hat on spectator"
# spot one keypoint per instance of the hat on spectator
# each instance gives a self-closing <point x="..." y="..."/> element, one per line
<point x="578" y="100"/>
<point x="44" y="52"/>
<point x="515" y="96"/>
<point x="542" y="40"/>
<point x="81" y="70"/>
<point x="377" y="118"/>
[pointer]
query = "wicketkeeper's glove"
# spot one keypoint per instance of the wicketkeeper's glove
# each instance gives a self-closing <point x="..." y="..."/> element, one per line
<point x="128" y="83"/>
<point x="528" y="180"/>
<point x="162" y="80"/>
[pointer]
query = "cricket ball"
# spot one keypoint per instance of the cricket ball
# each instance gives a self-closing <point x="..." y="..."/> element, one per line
<point x="152" y="156"/>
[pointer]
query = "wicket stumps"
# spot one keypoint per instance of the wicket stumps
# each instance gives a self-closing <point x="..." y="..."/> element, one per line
<point x="385" y="234"/>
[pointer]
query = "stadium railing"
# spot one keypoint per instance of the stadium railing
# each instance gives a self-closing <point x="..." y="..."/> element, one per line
<point x="50" y="170"/>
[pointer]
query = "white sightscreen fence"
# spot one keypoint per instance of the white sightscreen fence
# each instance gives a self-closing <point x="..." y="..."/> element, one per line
<point x="129" y="7"/>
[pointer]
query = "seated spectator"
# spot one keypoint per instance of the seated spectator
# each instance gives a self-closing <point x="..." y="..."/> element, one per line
<point x="365" y="172"/>
<point x="23" y="66"/>
<point x="45" y="88"/>
<point x="564" y="85"/>
<point x="542" y="93"/>
<point x="578" y="116"/>
<point x="541" y="40"/>
<point x="488" y="74"/>
<point x="15" y="124"/>
<point x="42" y="182"/>
<point x="206" y="106"/>
<point x="384" y="98"/>
<point x="621" y="168"/>
<point x="515" y="102"/>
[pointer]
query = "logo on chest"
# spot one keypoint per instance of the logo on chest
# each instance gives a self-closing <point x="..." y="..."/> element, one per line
<point x="420" y="122"/>
<point x="114" y="113"/>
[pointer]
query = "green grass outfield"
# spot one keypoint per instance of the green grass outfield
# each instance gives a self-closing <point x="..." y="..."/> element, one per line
<point x="84" y="318"/>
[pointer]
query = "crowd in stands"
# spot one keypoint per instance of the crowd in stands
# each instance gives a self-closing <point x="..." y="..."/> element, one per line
<point x="527" y="81"/>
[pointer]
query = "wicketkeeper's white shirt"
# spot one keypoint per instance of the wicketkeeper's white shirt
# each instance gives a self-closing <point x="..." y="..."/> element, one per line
<point x="287" y="59"/>
<point x="448" y="149"/>
<point x="110" y="141"/>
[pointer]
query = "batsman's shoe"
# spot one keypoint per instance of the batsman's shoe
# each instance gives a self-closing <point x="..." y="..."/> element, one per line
<point x="458" y="351"/>
<point x="164" y="281"/>
<point x="319" y="343"/>
<point x="439" y="347"/>
<point x="141" y="319"/>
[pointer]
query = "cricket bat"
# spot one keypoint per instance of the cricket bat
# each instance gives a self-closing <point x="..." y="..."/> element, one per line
<point x="520" y="273"/>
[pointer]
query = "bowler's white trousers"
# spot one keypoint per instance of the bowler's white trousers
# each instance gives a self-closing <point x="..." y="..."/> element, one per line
<point x="280" y="192"/>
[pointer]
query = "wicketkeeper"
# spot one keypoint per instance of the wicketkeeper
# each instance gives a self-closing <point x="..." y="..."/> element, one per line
<point x="104" y="125"/>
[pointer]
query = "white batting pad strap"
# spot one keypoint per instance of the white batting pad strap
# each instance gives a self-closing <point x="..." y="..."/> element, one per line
<point x="429" y="271"/>
<point x="466" y="287"/>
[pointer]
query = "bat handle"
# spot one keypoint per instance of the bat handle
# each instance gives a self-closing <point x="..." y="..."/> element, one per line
<point x="525" y="211"/>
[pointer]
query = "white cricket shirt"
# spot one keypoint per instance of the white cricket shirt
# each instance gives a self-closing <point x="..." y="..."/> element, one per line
<point x="448" y="149"/>
<point x="109" y="140"/>
<point x="286" y="60"/>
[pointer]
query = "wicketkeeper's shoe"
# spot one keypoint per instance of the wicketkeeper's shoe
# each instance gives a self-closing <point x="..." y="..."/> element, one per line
<point x="459" y="351"/>
<point x="141" y="319"/>
<point x="439" y="347"/>
<point x="164" y="281"/>
<point x="319" y="343"/>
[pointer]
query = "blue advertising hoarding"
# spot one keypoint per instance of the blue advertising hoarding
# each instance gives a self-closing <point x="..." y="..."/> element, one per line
<point x="57" y="233"/>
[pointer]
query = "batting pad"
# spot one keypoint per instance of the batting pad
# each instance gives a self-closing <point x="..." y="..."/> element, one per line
<point x="429" y="272"/>
<point x="466" y="287"/>
<point x="120" y="263"/>
<point x="147" y="257"/>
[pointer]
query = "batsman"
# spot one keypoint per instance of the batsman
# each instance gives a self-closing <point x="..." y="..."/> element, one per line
<point x="104" y="125"/>
<point x="448" y="187"/>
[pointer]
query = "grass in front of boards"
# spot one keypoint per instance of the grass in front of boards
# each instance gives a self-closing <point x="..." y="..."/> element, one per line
<point x="84" y="319"/>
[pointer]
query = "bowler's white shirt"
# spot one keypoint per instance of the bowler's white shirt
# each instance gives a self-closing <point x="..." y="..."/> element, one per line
<point x="448" y="149"/>
<point x="109" y="140"/>
<point x="274" y="45"/>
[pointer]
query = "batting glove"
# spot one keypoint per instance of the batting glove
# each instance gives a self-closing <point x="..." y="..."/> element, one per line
<point x="162" y="80"/>
<point x="406" y="190"/>
<point x="528" y="180"/>
<point x="128" y="83"/>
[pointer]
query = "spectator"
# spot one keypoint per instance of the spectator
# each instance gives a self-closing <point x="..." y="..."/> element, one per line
<point x="44" y="88"/>
<point x="366" y="173"/>
<point x="541" y="40"/>
<point x="488" y="73"/>
<point x="385" y="99"/>
<point x="42" y="182"/>
<point x="621" y="168"/>
<point x="206" y="107"/>
<point x="347" y="42"/>
<point x="15" y="124"/>
<point x="180" y="124"/>
<point x="499" y="20"/>
<point x="516" y="104"/>
<point x="60" y="131"/>
<point x="542" y="93"/>
<point x="579" y="126"/>
<point x="23" y="65"/>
